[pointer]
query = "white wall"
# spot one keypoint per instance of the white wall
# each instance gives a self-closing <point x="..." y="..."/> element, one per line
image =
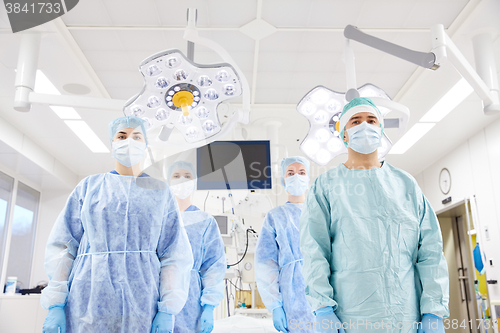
<point x="474" y="167"/>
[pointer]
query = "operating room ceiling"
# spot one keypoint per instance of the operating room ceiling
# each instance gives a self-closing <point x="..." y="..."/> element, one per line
<point x="284" y="47"/>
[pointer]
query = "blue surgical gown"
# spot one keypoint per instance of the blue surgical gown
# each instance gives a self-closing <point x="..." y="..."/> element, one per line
<point x="278" y="267"/>
<point x="117" y="254"/>
<point x="208" y="271"/>
<point x="373" y="249"/>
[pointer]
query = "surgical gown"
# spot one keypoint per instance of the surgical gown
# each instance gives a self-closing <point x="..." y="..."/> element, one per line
<point x="373" y="248"/>
<point x="278" y="267"/>
<point x="117" y="254"/>
<point x="207" y="273"/>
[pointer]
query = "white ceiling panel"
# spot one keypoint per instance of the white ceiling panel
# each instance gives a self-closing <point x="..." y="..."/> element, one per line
<point x="282" y="41"/>
<point x="145" y="40"/>
<point x="384" y="14"/>
<point x="108" y="60"/>
<point x="133" y="12"/>
<point x="286" y="13"/>
<point x="334" y="14"/>
<point x="427" y="13"/>
<point x="277" y="62"/>
<point x="214" y="13"/>
<point x="4" y="20"/>
<point x="88" y="13"/>
<point x="95" y="40"/>
<point x="123" y="93"/>
<point x="271" y="95"/>
<point x="121" y="79"/>
<point x="271" y="80"/>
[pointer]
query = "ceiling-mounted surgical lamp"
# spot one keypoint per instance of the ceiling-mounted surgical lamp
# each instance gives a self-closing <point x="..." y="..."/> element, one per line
<point x="484" y="81"/>
<point x="178" y="93"/>
<point x="322" y="107"/>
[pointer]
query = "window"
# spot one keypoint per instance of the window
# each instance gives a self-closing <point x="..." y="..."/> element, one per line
<point x="6" y="186"/>
<point x="17" y="230"/>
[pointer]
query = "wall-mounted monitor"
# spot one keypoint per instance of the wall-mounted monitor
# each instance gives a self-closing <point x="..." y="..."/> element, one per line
<point x="234" y="165"/>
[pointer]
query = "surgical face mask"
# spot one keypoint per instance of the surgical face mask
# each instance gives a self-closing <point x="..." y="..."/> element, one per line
<point x="182" y="187"/>
<point x="364" y="138"/>
<point x="297" y="184"/>
<point x="128" y="152"/>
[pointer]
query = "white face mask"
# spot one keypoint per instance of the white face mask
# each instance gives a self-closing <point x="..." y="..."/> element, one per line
<point x="128" y="152"/>
<point x="297" y="184"/>
<point x="182" y="187"/>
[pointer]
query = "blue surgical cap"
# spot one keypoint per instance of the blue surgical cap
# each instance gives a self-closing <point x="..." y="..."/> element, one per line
<point x="126" y="122"/>
<point x="290" y="160"/>
<point x="358" y="105"/>
<point x="178" y="166"/>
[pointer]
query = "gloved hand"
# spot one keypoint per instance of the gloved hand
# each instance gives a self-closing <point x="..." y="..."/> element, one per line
<point x="431" y="324"/>
<point x="279" y="320"/>
<point x="55" y="320"/>
<point x="163" y="323"/>
<point x="207" y="319"/>
<point x="328" y="320"/>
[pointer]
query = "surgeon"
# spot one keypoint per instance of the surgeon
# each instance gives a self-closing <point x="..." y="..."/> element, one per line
<point x="278" y="260"/>
<point x="118" y="257"/>
<point x="207" y="274"/>
<point x="372" y="245"/>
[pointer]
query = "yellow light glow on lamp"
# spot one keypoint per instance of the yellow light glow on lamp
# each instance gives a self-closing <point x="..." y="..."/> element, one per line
<point x="182" y="99"/>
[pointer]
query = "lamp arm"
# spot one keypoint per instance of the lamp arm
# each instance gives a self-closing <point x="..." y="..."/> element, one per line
<point x="422" y="59"/>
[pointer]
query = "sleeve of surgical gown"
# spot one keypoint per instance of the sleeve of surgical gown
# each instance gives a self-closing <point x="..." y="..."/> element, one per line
<point x="315" y="245"/>
<point x="431" y="264"/>
<point x="213" y="268"/>
<point x="176" y="260"/>
<point x="61" y="250"/>
<point x="267" y="265"/>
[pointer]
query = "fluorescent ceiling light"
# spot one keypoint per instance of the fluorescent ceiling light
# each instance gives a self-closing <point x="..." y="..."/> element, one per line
<point x="65" y="112"/>
<point x="43" y="84"/>
<point x="448" y="102"/>
<point x="411" y="137"/>
<point x="87" y="135"/>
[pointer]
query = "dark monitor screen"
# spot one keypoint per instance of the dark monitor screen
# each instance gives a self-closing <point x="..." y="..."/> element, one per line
<point x="234" y="165"/>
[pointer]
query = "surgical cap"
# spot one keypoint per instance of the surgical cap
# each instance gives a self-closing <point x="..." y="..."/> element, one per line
<point x="178" y="166"/>
<point x="126" y="122"/>
<point x="290" y="160"/>
<point x="358" y="105"/>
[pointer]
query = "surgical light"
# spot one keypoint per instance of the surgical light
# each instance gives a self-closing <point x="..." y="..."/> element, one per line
<point x="322" y="107"/>
<point x="182" y="94"/>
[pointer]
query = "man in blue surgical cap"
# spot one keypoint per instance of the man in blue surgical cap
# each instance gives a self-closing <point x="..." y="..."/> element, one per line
<point x="372" y="245"/>
<point x="278" y="260"/>
<point x="207" y="275"/>
<point x="118" y="257"/>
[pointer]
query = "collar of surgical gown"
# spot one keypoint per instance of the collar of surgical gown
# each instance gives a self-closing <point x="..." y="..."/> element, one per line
<point x="192" y="208"/>
<point x="114" y="172"/>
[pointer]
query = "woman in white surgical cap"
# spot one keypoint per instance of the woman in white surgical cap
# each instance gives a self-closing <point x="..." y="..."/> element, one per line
<point x="118" y="257"/>
<point x="207" y="274"/>
<point x="278" y="260"/>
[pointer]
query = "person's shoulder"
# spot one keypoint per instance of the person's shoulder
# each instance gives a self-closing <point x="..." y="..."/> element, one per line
<point x="401" y="174"/>
<point x="330" y="175"/>
<point x="196" y="216"/>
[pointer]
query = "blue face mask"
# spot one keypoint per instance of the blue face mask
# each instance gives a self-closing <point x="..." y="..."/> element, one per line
<point x="297" y="184"/>
<point x="129" y="152"/>
<point x="364" y="138"/>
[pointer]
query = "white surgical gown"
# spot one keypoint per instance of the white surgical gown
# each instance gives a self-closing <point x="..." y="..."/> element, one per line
<point x="278" y="267"/>
<point x="117" y="254"/>
<point x="207" y="275"/>
<point x="373" y="249"/>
